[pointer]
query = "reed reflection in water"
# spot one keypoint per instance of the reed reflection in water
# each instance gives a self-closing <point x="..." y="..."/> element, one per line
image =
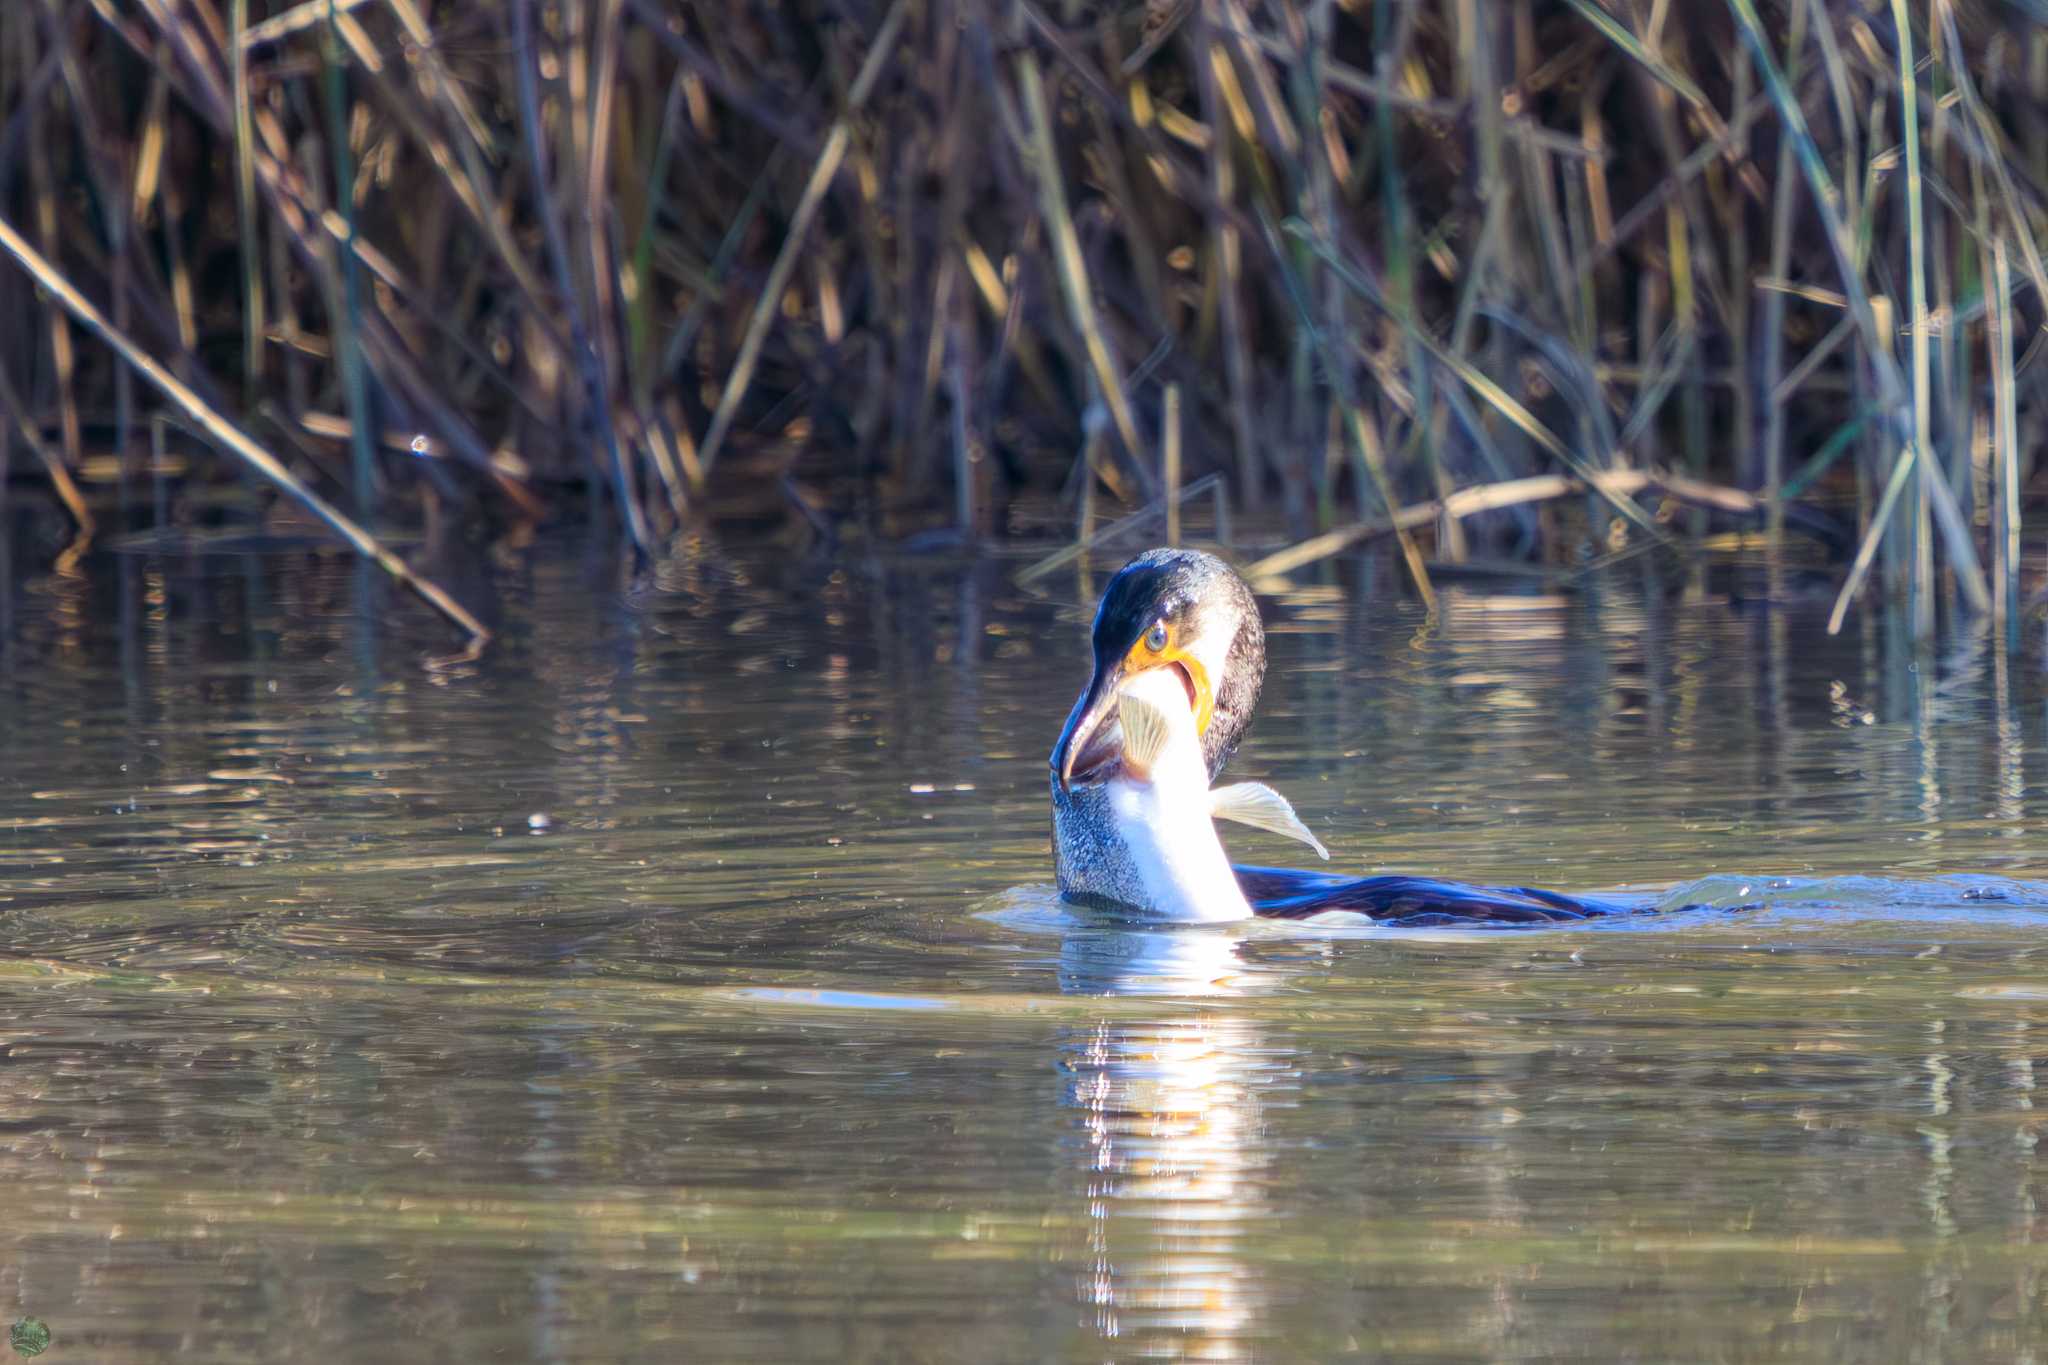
<point x="314" y="1036"/>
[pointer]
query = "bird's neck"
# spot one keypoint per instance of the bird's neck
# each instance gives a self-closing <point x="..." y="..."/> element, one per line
<point x="1150" y="847"/>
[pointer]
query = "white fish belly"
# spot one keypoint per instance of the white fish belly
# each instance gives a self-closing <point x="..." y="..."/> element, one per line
<point x="1166" y="825"/>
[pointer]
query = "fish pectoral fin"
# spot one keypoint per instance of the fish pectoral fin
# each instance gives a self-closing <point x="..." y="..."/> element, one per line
<point x="1258" y="805"/>
<point x="1145" y="734"/>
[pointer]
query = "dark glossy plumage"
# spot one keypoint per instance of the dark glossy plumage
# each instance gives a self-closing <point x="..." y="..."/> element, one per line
<point x="1204" y="596"/>
<point x="1416" y="902"/>
<point x="1206" y="600"/>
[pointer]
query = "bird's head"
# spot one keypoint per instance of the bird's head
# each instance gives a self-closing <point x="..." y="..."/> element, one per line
<point x="1178" y="609"/>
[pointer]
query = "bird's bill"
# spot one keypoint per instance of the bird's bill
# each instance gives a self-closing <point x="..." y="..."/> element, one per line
<point x="1091" y="746"/>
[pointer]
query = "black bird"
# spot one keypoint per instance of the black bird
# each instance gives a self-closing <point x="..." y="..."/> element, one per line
<point x="1189" y="612"/>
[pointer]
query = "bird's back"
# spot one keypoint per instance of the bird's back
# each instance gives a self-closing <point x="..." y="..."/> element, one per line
<point x="1417" y="902"/>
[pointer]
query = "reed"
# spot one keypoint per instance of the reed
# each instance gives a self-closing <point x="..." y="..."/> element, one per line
<point x="1394" y="275"/>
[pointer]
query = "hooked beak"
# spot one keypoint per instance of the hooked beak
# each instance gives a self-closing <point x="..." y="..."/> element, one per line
<point x="1092" y="743"/>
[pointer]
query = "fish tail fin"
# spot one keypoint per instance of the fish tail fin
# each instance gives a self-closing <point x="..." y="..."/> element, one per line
<point x="1258" y="805"/>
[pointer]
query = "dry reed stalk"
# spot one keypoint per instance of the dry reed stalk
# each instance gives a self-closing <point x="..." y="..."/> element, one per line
<point x="1550" y="208"/>
<point x="2005" y="455"/>
<point x="963" y="445"/>
<point x="1923" y="397"/>
<point x="822" y="172"/>
<point x="1169" y="464"/>
<point x="1073" y="271"/>
<point x="1467" y="502"/>
<point x="52" y="461"/>
<point x="1225" y="264"/>
<point x="245" y="205"/>
<point x="1844" y="247"/>
<point x="230" y="437"/>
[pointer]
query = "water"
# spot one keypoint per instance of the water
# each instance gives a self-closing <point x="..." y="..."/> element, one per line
<point x="680" y="979"/>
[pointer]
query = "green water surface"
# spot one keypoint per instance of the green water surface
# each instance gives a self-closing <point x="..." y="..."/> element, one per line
<point x="680" y="980"/>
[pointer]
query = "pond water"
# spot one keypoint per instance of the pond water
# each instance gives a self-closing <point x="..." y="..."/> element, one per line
<point x="681" y="978"/>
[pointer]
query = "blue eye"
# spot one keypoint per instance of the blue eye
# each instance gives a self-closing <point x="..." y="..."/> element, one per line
<point x="1155" y="640"/>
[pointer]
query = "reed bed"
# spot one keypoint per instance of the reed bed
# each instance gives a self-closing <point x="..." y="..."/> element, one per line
<point x="1567" y="280"/>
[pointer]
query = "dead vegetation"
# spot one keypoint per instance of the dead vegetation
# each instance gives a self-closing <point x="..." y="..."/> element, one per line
<point x="1400" y="268"/>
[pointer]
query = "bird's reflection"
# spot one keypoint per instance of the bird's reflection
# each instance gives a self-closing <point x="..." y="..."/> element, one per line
<point x="1170" y="1138"/>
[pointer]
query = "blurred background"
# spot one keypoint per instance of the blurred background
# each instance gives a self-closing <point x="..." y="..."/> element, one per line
<point x="1467" y="283"/>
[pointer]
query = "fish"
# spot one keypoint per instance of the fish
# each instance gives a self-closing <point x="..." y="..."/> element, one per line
<point x="1148" y="732"/>
<point x="1180" y="630"/>
<point x="1166" y="811"/>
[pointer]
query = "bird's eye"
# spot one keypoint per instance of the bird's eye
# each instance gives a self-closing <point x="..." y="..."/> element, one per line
<point x="1155" y="639"/>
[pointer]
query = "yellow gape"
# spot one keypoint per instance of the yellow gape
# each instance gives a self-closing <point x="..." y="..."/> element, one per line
<point x="1159" y="647"/>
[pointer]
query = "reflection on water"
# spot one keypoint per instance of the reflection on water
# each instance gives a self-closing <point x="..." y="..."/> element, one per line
<point x="1171" y="1142"/>
<point x="678" y="979"/>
